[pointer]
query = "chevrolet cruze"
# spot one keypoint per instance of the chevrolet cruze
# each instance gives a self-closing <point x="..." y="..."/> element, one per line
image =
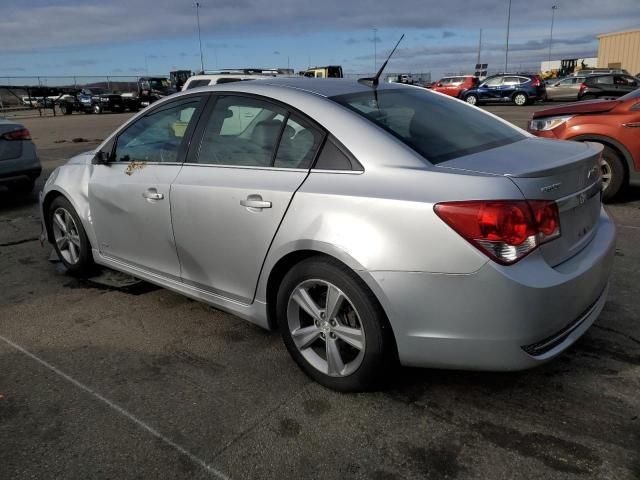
<point x="370" y="224"/>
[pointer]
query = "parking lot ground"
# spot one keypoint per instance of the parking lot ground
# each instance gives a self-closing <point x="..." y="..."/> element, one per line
<point x="100" y="382"/>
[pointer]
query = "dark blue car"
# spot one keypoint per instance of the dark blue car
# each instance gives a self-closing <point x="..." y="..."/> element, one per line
<point x="506" y="88"/>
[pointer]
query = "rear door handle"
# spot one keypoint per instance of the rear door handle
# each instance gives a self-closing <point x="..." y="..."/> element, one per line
<point x="152" y="194"/>
<point x="255" y="201"/>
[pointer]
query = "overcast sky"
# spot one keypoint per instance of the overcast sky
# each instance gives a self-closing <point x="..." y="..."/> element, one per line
<point x="128" y="37"/>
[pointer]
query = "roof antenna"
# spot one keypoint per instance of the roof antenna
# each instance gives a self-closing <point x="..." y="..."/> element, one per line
<point x="373" y="81"/>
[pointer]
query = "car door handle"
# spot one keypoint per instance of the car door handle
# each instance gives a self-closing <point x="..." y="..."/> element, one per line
<point x="255" y="201"/>
<point x="152" y="194"/>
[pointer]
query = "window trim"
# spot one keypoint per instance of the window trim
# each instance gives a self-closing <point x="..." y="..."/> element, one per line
<point x="188" y="134"/>
<point x="290" y="111"/>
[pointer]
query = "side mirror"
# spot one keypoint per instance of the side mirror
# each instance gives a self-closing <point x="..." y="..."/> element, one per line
<point x="100" y="158"/>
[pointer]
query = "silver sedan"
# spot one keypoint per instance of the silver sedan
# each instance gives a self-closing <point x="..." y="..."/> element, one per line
<point x="371" y="226"/>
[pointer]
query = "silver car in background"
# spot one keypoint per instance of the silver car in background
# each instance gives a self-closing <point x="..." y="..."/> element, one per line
<point x="19" y="163"/>
<point x="370" y="225"/>
<point x="565" y="89"/>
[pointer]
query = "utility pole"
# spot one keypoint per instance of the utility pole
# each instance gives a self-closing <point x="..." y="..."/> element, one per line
<point x="375" y="49"/>
<point x="506" y="53"/>
<point x="197" y="5"/>
<point x="479" y="49"/>
<point x="553" y="14"/>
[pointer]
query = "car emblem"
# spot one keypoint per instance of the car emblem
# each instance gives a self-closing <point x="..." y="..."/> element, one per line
<point x="549" y="188"/>
<point x="582" y="198"/>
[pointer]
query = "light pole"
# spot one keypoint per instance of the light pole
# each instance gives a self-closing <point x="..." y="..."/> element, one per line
<point x="553" y="14"/>
<point x="506" y="53"/>
<point x="375" y="50"/>
<point x="479" y="49"/>
<point x="197" y="5"/>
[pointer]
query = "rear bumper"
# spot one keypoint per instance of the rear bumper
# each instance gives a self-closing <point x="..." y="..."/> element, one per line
<point x="498" y="318"/>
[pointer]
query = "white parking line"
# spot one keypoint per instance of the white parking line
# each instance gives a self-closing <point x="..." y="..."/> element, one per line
<point x="216" y="473"/>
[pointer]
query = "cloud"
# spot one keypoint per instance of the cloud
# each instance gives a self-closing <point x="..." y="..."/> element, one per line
<point x="276" y="52"/>
<point x="448" y="34"/>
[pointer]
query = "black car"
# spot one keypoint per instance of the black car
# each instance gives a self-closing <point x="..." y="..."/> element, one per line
<point x="608" y="86"/>
<point x="517" y="88"/>
<point x="151" y="89"/>
<point x="97" y="100"/>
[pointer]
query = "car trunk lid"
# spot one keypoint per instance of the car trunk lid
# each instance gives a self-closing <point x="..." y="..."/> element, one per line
<point x="565" y="172"/>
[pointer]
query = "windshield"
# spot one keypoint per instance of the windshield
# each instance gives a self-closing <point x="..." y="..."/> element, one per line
<point x="630" y="95"/>
<point x="436" y="127"/>
<point x="96" y="91"/>
<point x="159" y="83"/>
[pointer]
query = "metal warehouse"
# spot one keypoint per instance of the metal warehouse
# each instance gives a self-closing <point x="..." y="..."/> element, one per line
<point x="620" y="50"/>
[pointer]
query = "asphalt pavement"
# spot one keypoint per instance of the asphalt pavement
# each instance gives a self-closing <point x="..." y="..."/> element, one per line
<point x="138" y="382"/>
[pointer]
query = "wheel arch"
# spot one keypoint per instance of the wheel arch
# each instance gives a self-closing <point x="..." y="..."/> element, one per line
<point x="48" y="199"/>
<point x="287" y="261"/>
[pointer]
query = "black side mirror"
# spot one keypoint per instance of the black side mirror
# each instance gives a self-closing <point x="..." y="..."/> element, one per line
<point x="101" y="158"/>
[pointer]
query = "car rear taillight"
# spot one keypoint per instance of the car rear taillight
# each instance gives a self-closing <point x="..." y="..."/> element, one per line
<point x="535" y="82"/>
<point x="504" y="230"/>
<point x="583" y="87"/>
<point x="22" y="134"/>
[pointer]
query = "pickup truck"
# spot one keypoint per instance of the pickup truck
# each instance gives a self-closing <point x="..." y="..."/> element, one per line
<point x="97" y="100"/>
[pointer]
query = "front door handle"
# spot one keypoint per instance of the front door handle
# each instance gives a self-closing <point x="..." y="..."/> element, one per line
<point x="255" y="201"/>
<point x="152" y="194"/>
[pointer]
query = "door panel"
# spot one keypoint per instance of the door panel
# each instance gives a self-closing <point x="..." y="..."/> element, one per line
<point x="222" y="243"/>
<point x="130" y="196"/>
<point x="128" y="226"/>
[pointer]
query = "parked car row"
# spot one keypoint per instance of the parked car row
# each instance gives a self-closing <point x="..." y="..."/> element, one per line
<point x="524" y="89"/>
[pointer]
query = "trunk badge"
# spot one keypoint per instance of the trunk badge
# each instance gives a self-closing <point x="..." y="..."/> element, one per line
<point x="549" y="188"/>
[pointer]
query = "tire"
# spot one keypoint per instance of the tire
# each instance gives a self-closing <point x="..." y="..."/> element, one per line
<point x="97" y="109"/>
<point x="589" y="96"/>
<point x="365" y="368"/>
<point x="26" y="187"/>
<point x="520" y="99"/>
<point x="71" y="242"/>
<point x="67" y="109"/>
<point x="613" y="173"/>
<point x="471" y="99"/>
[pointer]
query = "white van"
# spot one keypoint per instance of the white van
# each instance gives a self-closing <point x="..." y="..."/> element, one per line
<point x="217" y="78"/>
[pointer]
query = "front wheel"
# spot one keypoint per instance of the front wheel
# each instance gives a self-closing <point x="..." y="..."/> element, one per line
<point x="97" y="109"/>
<point x="520" y="99"/>
<point x="471" y="99"/>
<point x="69" y="238"/>
<point x="612" y="173"/>
<point x="334" y="327"/>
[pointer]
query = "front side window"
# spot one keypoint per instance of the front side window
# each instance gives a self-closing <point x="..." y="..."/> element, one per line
<point x="156" y="137"/>
<point x="493" y="82"/>
<point x="436" y="127"/>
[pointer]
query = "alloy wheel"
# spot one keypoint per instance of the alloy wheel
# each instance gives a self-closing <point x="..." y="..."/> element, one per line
<point x="520" y="99"/>
<point x="326" y="328"/>
<point x="471" y="100"/>
<point x="66" y="236"/>
<point x="606" y="173"/>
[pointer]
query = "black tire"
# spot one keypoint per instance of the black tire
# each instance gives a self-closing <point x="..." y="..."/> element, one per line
<point x="66" y="109"/>
<point x="520" y="99"/>
<point x="589" y="96"/>
<point x="614" y="166"/>
<point x="26" y="187"/>
<point x="379" y="357"/>
<point x="97" y="109"/>
<point x="84" y="264"/>
<point x="471" y="99"/>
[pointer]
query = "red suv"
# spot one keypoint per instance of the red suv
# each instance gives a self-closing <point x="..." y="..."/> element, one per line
<point x="453" y="86"/>
<point x="613" y="123"/>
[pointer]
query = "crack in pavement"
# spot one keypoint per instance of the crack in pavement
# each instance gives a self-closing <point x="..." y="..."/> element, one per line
<point x="18" y="242"/>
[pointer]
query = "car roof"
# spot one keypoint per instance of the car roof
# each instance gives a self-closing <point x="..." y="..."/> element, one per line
<point x="325" y="87"/>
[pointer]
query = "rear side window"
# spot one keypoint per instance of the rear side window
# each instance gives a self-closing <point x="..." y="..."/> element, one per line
<point x="511" y="81"/>
<point x="436" y="127"/>
<point x="607" y="79"/>
<point x="197" y="83"/>
<point x="298" y="144"/>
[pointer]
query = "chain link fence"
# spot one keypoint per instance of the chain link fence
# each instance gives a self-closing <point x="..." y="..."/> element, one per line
<point x="40" y="92"/>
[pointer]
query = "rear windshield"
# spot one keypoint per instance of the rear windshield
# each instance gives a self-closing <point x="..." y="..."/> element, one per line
<point x="436" y="127"/>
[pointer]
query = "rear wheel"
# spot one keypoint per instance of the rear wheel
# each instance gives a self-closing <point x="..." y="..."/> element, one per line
<point x="97" y="109"/>
<point x="589" y="96"/>
<point x="334" y="327"/>
<point x="520" y="99"/>
<point x="471" y="99"/>
<point x="69" y="238"/>
<point x="613" y="173"/>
